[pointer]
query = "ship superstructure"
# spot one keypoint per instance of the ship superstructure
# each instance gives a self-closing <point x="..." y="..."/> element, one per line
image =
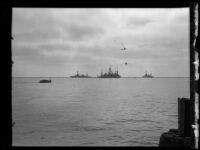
<point x="148" y="75"/>
<point x="109" y="74"/>
<point x="80" y="76"/>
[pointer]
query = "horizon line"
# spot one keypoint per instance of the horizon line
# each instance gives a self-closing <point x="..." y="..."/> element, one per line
<point x="95" y="77"/>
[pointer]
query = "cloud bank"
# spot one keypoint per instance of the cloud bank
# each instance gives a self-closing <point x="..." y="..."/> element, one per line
<point x="58" y="42"/>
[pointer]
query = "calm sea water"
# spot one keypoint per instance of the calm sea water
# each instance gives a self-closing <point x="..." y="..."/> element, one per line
<point x="95" y="112"/>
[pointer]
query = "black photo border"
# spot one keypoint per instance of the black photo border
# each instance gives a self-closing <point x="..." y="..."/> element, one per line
<point x="6" y="38"/>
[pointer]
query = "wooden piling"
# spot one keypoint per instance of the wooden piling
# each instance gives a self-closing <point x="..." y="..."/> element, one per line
<point x="184" y="116"/>
<point x="180" y="137"/>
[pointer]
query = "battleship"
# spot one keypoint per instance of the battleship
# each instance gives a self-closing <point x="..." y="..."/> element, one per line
<point x="110" y="74"/>
<point x="80" y="76"/>
<point x="148" y="75"/>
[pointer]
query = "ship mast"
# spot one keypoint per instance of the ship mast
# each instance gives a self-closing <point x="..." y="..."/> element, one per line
<point x="110" y="70"/>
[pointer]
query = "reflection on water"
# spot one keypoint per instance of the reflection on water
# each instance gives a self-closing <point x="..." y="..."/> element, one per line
<point x="95" y="112"/>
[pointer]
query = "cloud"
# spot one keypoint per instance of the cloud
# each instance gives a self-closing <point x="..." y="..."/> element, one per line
<point x="37" y="35"/>
<point x="139" y="22"/>
<point x="41" y="25"/>
<point x="34" y="55"/>
<point x="56" y="47"/>
<point x="80" y="32"/>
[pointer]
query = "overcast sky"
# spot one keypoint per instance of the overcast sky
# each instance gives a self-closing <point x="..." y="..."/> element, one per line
<point x="59" y="42"/>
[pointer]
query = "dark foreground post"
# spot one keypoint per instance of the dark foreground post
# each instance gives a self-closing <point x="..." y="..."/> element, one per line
<point x="179" y="137"/>
<point x="184" y="116"/>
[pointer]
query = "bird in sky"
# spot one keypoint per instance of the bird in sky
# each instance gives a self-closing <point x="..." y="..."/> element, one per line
<point x="124" y="48"/>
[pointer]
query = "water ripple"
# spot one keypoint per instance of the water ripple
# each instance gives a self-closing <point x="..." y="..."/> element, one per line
<point x="90" y="128"/>
<point x="135" y="121"/>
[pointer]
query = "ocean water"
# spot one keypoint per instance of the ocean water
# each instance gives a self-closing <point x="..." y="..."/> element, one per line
<point x="95" y="112"/>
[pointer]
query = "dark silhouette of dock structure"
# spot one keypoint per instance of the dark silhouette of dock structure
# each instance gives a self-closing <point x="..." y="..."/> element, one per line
<point x="180" y="137"/>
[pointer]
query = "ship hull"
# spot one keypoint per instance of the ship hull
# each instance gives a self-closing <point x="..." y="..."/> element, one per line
<point x="108" y="77"/>
<point x="45" y="81"/>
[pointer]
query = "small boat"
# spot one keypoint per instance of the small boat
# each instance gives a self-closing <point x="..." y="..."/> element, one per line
<point x="45" y="81"/>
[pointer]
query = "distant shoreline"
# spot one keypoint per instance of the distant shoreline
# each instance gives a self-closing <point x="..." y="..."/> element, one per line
<point x="100" y="78"/>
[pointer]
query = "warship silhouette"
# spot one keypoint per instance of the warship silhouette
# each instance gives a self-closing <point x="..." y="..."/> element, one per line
<point x="148" y="75"/>
<point x="110" y="74"/>
<point x="80" y="76"/>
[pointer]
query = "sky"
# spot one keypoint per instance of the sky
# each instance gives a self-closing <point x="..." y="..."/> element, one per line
<point x="58" y="42"/>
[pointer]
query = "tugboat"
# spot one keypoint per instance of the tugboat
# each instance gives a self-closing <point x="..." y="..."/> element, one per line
<point x="148" y="75"/>
<point x="110" y="74"/>
<point x="45" y="81"/>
